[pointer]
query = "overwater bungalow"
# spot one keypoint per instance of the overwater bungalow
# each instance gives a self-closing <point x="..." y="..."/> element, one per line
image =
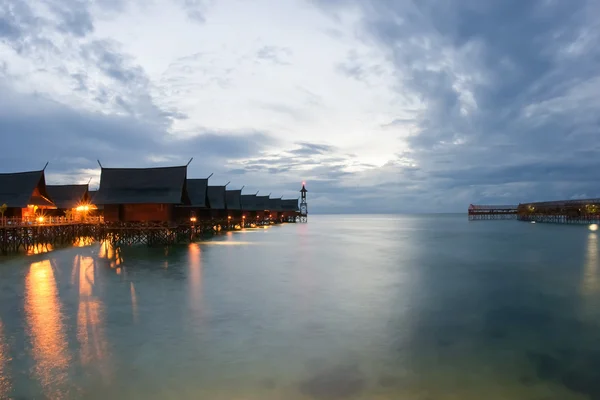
<point x="25" y="195"/>
<point x="249" y="207"/>
<point x="263" y="207"/>
<point x="217" y="202"/>
<point x="275" y="209"/>
<point x="198" y="207"/>
<point x="290" y="209"/>
<point x="233" y="200"/>
<point x="142" y="194"/>
<point x="72" y="201"/>
<point x="97" y="209"/>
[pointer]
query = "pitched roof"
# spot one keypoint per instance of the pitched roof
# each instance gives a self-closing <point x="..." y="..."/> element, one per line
<point x="68" y="196"/>
<point x="249" y="202"/>
<point x="196" y="189"/>
<point x="289" y="204"/>
<point x="165" y="185"/>
<point x="234" y="199"/>
<point x="275" y="205"/>
<point x="17" y="189"/>
<point x="216" y="197"/>
<point x="262" y="202"/>
<point x="92" y="194"/>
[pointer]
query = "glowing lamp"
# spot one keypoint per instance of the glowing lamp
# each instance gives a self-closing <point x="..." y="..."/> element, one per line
<point x="193" y="219"/>
<point x="593" y="227"/>
<point x="244" y="217"/>
<point x="40" y="219"/>
<point x="229" y="217"/>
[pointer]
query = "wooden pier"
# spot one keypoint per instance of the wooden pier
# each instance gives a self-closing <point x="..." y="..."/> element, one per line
<point x="27" y="236"/>
<point x="492" y="212"/>
<point x="580" y="212"/>
<point x="151" y="206"/>
<point x="18" y="235"/>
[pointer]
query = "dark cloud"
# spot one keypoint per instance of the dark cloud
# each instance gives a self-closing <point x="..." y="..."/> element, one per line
<point x="307" y="149"/>
<point x="196" y="9"/>
<point x="74" y="17"/>
<point x="39" y="130"/>
<point x="506" y="92"/>
<point x="105" y="55"/>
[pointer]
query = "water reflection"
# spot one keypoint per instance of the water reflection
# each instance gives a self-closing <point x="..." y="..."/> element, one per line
<point x="195" y="276"/>
<point x="590" y="277"/>
<point x="46" y="330"/>
<point x="5" y="385"/>
<point x="421" y="309"/>
<point x="39" y="249"/>
<point x="90" y="321"/>
<point x="134" y="303"/>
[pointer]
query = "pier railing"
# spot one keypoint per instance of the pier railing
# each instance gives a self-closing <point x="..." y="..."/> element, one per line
<point x="48" y="221"/>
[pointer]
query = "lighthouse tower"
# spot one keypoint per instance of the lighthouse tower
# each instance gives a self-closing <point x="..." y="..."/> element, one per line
<point x="303" y="204"/>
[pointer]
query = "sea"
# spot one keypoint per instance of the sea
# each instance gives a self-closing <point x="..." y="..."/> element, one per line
<point x="416" y="307"/>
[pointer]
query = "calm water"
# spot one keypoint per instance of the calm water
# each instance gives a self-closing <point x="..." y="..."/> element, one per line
<point x="357" y="307"/>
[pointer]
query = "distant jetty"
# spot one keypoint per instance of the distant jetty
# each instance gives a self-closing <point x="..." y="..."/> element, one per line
<point x="583" y="211"/>
<point x="153" y="206"/>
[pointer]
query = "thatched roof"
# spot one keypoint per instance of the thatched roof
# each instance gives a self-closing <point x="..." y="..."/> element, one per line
<point x="196" y="189"/>
<point x="166" y="185"/>
<point x="234" y="199"/>
<point x="249" y="202"/>
<point x="262" y="202"/>
<point x="18" y="189"/>
<point x="216" y="197"/>
<point x="289" y="205"/>
<point x="92" y="195"/>
<point x="275" y="205"/>
<point x="68" y="196"/>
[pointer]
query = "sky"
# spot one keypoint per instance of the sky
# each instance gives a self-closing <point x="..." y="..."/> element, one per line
<point x="379" y="105"/>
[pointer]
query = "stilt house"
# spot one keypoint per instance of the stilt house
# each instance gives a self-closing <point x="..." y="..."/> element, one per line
<point x="70" y="200"/>
<point x="233" y="199"/>
<point x="217" y="202"/>
<point x="198" y="207"/>
<point x="24" y="194"/>
<point x="142" y="194"/>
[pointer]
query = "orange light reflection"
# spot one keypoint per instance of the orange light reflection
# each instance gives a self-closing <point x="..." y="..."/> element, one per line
<point x="46" y="330"/>
<point x="90" y="328"/>
<point x="195" y="266"/>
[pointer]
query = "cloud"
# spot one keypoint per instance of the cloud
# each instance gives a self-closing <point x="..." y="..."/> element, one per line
<point x="39" y="130"/>
<point x="505" y="89"/>
<point x="379" y="105"/>
<point x="196" y="9"/>
<point x="274" y="54"/>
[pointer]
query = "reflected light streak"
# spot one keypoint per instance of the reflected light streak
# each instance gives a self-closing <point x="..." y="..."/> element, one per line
<point x="134" y="305"/>
<point x="227" y="243"/>
<point x="46" y="330"/>
<point x="590" y="275"/>
<point x="39" y="249"/>
<point x="90" y="328"/>
<point x="5" y="385"/>
<point x="195" y="265"/>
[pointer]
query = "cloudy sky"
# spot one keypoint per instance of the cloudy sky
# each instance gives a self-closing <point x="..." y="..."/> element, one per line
<point x="380" y="105"/>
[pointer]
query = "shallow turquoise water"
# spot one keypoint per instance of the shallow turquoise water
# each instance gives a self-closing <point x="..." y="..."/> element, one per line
<point x="359" y="307"/>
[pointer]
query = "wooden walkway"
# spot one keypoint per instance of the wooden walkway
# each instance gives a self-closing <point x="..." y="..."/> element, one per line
<point x="30" y="236"/>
